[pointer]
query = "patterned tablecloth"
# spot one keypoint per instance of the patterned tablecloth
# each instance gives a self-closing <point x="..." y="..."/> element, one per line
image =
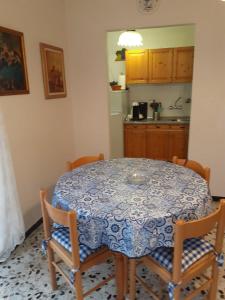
<point x="131" y="218"/>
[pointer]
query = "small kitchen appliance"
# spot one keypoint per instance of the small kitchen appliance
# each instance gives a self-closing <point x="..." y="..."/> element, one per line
<point x="156" y="108"/>
<point x="139" y="111"/>
<point x="143" y="109"/>
<point x="135" y="111"/>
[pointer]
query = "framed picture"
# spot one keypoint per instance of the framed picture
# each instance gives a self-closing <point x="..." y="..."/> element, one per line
<point x="13" y="69"/>
<point x="53" y="71"/>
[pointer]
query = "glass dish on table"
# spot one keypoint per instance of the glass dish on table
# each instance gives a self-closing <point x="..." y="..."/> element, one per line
<point x="137" y="178"/>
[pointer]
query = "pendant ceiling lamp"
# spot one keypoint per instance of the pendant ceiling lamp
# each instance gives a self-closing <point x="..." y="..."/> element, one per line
<point x="130" y="38"/>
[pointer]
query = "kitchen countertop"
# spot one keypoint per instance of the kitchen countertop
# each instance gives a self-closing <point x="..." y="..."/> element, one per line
<point x="163" y="120"/>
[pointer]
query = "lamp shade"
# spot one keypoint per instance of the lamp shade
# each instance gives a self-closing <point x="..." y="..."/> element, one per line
<point x="130" y="38"/>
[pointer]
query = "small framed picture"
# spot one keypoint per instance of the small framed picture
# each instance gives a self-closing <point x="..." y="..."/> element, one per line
<point x="13" y="69"/>
<point x="53" y="71"/>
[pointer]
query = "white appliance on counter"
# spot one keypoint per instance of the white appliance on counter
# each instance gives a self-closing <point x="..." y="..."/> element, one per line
<point x="118" y="103"/>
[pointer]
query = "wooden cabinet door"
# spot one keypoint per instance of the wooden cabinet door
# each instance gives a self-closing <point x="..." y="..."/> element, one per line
<point x="178" y="141"/>
<point x="137" y="66"/>
<point x="160" y="65"/>
<point x="134" y="140"/>
<point x="183" y="64"/>
<point x="157" y="141"/>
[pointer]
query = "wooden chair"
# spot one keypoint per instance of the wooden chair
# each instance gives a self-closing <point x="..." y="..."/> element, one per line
<point x="83" y="160"/>
<point x="177" y="266"/>
<point x="194" y="165"/>
<point x="63" y="242"/>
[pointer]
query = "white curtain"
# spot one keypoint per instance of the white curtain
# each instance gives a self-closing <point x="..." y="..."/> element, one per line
<point x="12" y="230"/>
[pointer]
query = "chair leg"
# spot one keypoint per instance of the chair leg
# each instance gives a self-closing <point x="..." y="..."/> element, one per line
<point x="51" y="268"/>
<point x="119" y="276"/>
<point x="132" y="278"/>
<point x="78" y="286"/>
<point x="125" y="267"/>
<point x="177" y="293"/>
<point x="213" y="287"/>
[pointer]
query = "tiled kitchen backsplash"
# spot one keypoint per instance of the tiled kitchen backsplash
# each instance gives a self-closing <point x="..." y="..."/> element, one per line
<point x="167" y="94"/>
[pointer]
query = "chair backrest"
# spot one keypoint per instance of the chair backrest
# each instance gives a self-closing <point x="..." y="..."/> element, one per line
<point x="194" y="165"/>
<point x="66" y="218"/>
<point x="83" y="160"/>
<point x="193" y="229"/>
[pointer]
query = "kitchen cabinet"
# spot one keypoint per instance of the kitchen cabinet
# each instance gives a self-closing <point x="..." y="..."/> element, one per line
<point x="183" y="59"/>
<point x="137" y="66"/>
<point x="134" y="140"/>
<point x="160" y="65"/>
<point x="178" y="141"/>
<point x="159" y="141"/>
<point x="166" y="65"/>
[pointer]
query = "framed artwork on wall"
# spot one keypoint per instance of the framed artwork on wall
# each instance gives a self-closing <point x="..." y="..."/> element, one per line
<point x="53" y="71"/>
<point x="13" y="69"/>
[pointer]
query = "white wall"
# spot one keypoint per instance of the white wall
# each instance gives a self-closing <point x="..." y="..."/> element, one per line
<point x="40" y="131"/>
<point x="87" y="25"/>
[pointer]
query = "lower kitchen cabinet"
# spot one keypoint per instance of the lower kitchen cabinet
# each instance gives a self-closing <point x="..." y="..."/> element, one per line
<point x="134" y="140"/>
<point x="178" y="141"/>
<point x="156" y="141"/>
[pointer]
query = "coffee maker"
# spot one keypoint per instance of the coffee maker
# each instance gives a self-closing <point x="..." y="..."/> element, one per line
<point x="143" y="109"/>
<point x="139" y="111"/>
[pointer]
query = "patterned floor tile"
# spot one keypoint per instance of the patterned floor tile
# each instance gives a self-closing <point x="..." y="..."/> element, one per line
<point x="24" y="276"/>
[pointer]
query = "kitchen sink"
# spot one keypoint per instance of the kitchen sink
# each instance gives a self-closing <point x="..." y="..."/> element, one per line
<point x="179" y="119"/>
<point x="163" y="120"/>
<point x="176" y="120"/>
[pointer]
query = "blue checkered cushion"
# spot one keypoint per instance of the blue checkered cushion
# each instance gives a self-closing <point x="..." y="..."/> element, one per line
<point x="62" y="236"/>
<point x="193" y="250"/>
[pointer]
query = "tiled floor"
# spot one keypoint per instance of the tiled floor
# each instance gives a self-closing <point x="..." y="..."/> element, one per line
<point x="25" y="276"/>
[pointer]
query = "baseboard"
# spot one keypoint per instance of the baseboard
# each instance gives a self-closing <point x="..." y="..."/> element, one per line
<point x="33" y="227"/>
<point x="217" y="198"/>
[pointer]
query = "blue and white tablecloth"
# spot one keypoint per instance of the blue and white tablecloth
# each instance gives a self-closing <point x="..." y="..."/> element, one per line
<point x="129" y="218"/>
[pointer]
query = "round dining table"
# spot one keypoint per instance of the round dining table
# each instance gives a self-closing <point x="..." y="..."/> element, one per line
<point x="131" y="216"/>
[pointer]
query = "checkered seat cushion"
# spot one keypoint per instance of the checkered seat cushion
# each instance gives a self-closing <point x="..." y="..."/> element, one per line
<point x="62" y="236"/>
<point x="193" y="250"/>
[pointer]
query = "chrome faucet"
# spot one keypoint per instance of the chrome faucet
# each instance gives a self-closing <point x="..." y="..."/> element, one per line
<point x="176" y="106"/>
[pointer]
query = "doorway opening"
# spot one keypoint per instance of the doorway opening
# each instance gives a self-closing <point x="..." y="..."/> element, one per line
<point x="172" y="93"/>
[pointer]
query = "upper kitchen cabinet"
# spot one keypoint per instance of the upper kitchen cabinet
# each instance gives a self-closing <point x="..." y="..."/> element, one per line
<point x="165" y="65"/>
<point x="183" y="64"/>
<point x="137" y="66"/>
<point x="160" y="65"/>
